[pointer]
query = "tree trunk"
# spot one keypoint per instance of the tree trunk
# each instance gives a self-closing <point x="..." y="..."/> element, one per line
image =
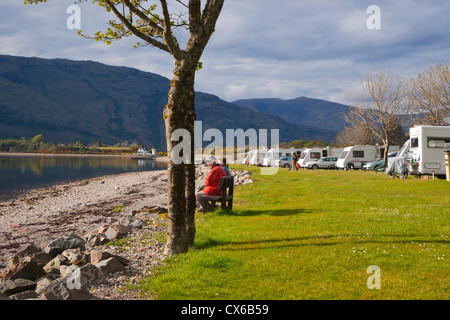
<point x="190" y="204"/>
<point x="179" y="113"/>
<point x="387" y="145"/>
<point x="190" y="174"/>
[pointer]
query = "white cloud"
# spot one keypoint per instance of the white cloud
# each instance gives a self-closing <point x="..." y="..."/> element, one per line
<point x="261" y="48"/>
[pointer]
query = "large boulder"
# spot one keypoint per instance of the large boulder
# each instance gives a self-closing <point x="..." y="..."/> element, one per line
<point x="66" y="288"/>
<point x="110" y="265"/>
<point x="54" y="266"/>
<point x="10" y="287"/>
<point x="26" y="264"/>
<point x="29" y="268"/>
<point x="132" y="222"/>
<point x="117" y="231"/>
<point x="59" y="245"/>
<point x="95" y="239"/>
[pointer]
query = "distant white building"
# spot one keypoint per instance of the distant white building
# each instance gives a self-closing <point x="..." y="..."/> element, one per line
<point x="144" y="152"/>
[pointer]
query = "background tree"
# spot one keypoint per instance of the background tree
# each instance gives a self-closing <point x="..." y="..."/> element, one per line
<point x="38" y="139"/>
<point x="430" y="90"/>
<point x="356" y="135"/>
<point x="382" y="105"/>
<point x="153" y="23"/>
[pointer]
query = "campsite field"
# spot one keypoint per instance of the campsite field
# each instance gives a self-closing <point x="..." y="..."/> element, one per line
<point x="312" y="234"/>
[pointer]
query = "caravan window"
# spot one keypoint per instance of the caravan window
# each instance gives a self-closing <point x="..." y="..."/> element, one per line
<point x="358" y="154"/>
<point x="414" y="142"/>
<point x="315" y="155"/>
<point x="438" y="142"/>
<point x="343" y="155"/>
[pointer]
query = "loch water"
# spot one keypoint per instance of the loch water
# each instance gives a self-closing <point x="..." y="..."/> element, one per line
<point x="20" y="173"/>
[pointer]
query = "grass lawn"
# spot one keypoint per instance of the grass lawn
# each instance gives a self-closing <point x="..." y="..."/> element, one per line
<point x="312" y="234"/>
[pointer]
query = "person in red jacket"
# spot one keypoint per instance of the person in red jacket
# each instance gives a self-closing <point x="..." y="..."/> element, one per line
<point x="211" y="187"/>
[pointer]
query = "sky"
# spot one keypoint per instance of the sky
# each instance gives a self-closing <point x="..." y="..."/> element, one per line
<point x="261" y="48"/>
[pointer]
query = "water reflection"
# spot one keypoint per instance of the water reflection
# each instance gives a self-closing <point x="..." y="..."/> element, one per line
<point x="19" y="173"/>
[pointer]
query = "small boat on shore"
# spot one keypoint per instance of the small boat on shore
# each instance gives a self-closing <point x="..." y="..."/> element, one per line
<point x="143" y="154"/>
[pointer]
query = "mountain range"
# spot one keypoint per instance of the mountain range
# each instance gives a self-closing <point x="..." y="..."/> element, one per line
<point x="87" y="101"/>
<point x="303" y="111"/>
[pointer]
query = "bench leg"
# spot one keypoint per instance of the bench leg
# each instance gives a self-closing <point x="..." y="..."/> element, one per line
<point x="208" y="206"/>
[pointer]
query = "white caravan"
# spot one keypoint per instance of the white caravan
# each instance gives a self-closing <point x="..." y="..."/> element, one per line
<point x="312" y="154"/>
<point x="428" y="144"/>
<point x="276" y="154"/>
<point x="255" y="157"/>
<point x="355" y="157"/>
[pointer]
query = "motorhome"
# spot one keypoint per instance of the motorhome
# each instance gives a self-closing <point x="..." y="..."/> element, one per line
<point x="312" y="154"/>
<point x="427" y="146"/>
<point x="355" y="157"/>
<point x="275" y="154"/>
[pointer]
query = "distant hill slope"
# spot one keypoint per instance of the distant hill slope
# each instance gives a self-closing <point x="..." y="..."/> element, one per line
<point x="302" y="111"/>
<point x="69" y="100"/>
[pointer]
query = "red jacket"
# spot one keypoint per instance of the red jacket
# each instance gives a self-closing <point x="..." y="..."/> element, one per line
<point x="213" y="181"/>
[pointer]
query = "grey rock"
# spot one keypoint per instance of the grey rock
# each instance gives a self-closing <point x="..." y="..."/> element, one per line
<point x="59" y="245"/>
<point x="132" y="222"/>
<point x="117" y="231"/>
<point x="122" y="260"/>
<point x="26" y="264"/>
<point x="55" y="264"/>
<point x="95" y="239"/>
<point x="29" y="251"/>
<point x="92" y="274"/>
<point x="110" y="265"/>
<point x="98" y="255"/>
<point x="66" y="289"/>
<point x="29" y="268"/>
<point x="66" y="271"/>
<point x="11" y="287"/>
<point x="29" y="294"/>
<point x="76" y="256"/>
<point x="42" y="283"/>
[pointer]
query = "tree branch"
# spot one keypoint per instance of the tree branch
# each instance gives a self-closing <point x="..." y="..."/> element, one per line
<point x="172" y="43"/>
<point x="144" y="17"/>
<point x="134" y="30"/>
<point x="211" y="14"/>
<point x="194" y="15"/>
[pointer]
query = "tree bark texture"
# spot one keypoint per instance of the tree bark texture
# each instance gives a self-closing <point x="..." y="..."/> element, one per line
<point x="179" y="113"/>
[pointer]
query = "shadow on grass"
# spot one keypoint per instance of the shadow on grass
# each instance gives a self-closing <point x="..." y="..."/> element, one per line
<point x="316" y="240"/>
<point x="252" y="213"/>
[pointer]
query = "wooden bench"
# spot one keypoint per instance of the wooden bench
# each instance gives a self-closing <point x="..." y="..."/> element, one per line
<point x="226" y="199"/>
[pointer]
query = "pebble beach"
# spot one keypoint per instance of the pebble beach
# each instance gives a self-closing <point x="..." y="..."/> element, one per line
<point x="42" y="215"/>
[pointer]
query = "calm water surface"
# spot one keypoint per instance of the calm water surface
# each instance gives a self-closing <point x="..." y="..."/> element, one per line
<point x="21" y="173"/>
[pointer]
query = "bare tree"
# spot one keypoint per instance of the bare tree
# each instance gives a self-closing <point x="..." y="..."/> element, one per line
<point x="152" y="22"/>
<point x="431" y="93"/>
<point x="355" y="135"/>
<point x="381" y="105"/>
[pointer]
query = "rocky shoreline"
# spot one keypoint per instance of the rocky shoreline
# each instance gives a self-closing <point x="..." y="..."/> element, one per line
<point x="83" y="208"/>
